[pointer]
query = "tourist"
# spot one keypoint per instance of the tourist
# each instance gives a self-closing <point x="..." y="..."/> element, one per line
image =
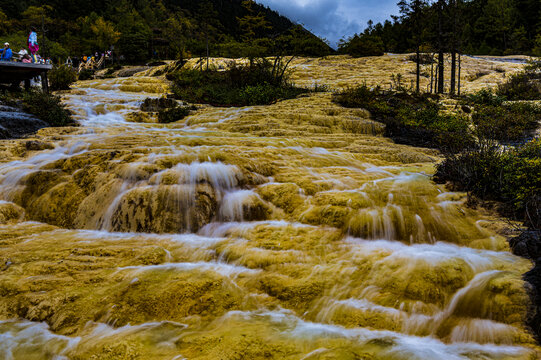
<point x="26" y="59"/>
<point x="6" y="52"/>
<point x="33" y="41"/>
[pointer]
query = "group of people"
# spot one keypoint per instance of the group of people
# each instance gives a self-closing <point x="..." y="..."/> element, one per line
<point x="89" y="60"/>
<point x="6" y="54"/>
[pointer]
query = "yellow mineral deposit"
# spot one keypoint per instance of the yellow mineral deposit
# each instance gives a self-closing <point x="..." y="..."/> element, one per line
<point x="289" y="231"/>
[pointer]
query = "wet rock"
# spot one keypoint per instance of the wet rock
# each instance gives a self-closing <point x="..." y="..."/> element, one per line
<point x="4" y="134"/>
<point x="528" y="245"/>
<point x="15" y="123"/>
<point x="59" y="205"/>
<point x="140" y="117"/>
<point x="155" y="105"/>
<point x="10" y="212"/>
<point x="128" y="72"/>
<point x="285" y="196"/>
<point x="165" y="209"/>
<point x="35" y="145"/>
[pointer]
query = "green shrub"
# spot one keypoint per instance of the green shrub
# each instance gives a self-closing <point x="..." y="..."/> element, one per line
<point x="260" y="84"/>
<point x="511" y="122"/>
<point x="62" y="77"/>
<point x="485" y="97"/>
<point x="525" y="85"/>
<point x="157" y="104"/>
<point x="511" y="176"/>
<point x="86" y="74"/>
<point x="47" y="107"/>
<point x="174" y="114"/>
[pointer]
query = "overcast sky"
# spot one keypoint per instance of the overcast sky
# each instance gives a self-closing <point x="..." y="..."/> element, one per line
<point x="334" y="19"/>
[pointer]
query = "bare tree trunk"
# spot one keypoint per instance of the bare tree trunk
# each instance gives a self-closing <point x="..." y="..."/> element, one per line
<point x="453" y="49"/>
<point x="441" y="64"/>
<point x="459" y="71"/>
<point x="432" y="74"/>
<point x="208" y="52"/>
<point x="436" y="79"/>
<point x="441" y="75"/>
<point x="417" y="89"/>
<point x="453" y="72"/>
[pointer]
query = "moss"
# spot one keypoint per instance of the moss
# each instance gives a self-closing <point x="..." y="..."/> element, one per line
<point x="10" y="212"/>
<point x="59" y="206"/>
<point x="165" y="209"/>
<point x="285" y="196"/>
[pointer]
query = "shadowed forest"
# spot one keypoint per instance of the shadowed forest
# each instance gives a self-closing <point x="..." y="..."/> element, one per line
<point x="165" y="29"/>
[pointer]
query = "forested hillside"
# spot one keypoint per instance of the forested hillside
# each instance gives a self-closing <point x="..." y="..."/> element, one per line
<point x="144" y="29"/>
<point x="482" y="27"/>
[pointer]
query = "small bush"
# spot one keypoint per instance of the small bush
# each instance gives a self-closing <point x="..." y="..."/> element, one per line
<point x="47" y="107"/>
<point x="512" y="122"/>
<point x="424" y="59"/>
<point x="62" y="77"/>
<point x="525" y="85"/>
<point x="156" y="105"/>
<point x="511" y="176"/>
<point x="174" y="114"/>
<point x="86" y="74"/>
<point x="485" y="97"/>
<point x="496" y="119"/>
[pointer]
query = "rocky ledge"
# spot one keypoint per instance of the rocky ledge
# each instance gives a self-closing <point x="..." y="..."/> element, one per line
<point x="14" y="123"/>
<point x="528" y="245"/>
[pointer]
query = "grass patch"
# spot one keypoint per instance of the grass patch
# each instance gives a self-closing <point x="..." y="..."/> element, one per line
<point x="262" y="83"/>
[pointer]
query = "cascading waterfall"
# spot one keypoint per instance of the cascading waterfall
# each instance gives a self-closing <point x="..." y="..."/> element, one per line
<point x="209" y="238"/>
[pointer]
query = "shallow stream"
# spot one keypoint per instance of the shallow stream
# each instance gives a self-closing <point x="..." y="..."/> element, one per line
<point x="290" y="231"/>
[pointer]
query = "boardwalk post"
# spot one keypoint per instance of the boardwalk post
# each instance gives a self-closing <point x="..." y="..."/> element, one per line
<point x="44" y="82"/>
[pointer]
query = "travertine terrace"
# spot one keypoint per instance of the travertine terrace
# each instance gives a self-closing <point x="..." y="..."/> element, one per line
<point x="289" y="231"/>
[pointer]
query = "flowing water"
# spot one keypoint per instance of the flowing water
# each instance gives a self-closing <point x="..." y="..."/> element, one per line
<point x="290" y="231"/>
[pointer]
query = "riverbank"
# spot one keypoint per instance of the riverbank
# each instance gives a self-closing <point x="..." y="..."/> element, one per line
<point x="22" y="113"/>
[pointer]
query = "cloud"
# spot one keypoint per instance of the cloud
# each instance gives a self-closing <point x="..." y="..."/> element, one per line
<point x="334" y="19"/>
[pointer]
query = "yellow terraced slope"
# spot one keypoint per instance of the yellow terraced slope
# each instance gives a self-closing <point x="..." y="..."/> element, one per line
<point x="290" y="231"/>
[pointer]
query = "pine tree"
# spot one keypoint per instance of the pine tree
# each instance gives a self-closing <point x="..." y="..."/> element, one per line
<point x="251" y="25"/>
<point x="412" y="12"/>
<point x="441" y="47"/>
<point x="208" y="20"/>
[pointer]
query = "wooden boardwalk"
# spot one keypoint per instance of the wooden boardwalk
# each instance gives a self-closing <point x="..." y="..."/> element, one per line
<point x="15" y="72"/>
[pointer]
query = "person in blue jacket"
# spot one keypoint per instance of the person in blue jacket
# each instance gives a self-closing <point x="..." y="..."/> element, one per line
<point x="6" y="52"/>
